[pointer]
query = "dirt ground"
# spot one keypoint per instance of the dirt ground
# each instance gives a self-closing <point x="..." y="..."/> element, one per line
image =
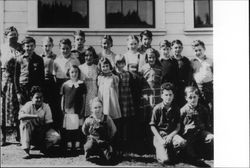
<point x="11" y="156"/>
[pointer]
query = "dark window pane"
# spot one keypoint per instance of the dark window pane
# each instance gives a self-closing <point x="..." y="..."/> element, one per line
<point x="63" y="13"/>
<point x="130" y="14"/>
<point x="203" y="13"/>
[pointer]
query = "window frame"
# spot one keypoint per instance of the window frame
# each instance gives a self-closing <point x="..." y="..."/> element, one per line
<point x="189" y="20"/>
<point x="97" y="24"/>
<point x="153" y="1"/>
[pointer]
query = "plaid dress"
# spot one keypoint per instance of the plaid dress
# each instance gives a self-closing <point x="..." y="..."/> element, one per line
<point x="151" y="84"/>
<point x="125" y="96"/>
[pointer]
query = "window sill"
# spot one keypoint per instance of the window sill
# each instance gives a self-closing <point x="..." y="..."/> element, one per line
<point x="199" y="31"/>
<point x="88" y="32"/>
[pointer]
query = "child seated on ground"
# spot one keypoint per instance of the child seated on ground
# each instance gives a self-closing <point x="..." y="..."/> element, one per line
<point x="165" y="124"/>
<point x="196" y="127"/>
<point x="99" y="129"/>
<point x="35" y="122"/>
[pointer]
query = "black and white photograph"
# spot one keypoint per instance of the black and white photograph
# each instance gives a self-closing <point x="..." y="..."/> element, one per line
<point x="125" y="83"/>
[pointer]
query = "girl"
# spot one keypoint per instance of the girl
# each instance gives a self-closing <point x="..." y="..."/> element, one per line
<point x="73" y="102"/>
<point x="125" y="100"/>
<point x="100" y="129"/>
<point x="184" y="71"/>
<point x="151" y="83"/>
<point x="89" y="75"/>
<point x="108" y="89"/>
<point x="49" y="83"/>
<point x="106" y="44"/>
<point x="10" y="106"/>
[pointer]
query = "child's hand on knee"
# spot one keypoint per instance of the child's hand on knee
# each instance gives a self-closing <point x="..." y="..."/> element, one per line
<point x="209" y="138"/>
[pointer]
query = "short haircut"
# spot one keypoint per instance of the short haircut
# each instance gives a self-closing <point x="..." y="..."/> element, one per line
<point x="48" y="39"/>
<point x="92" y="50"/>
<point x="164" y="43"/>
<point x="176" y="42"/>
<point x="155" y="52"/>
<point x="198" y="43"/>
<point x="102" y="61"/>
<point x="75" y="67"/>
<point x="108" y="38"/>
<point x="119" y="58"/>
<point x="168" y="86"/>
<point x="133" y="37"/>
<point x="65" y="42"/>
<point x="146" y="33"/>
<point x="94" y="100"/>
<point x="79" y="33"/>
<point x="10" y="29"/>
<point x="34" y="90"/>
<point x="191" y="89"/>
<point x="28" y="39"/>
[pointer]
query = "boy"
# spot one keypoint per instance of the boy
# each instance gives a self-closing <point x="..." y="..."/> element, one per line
<point x="79" y="40"/>
<point x="195" y="126"/>
<point x="29" y="70"/>
<point x="203" y="72"/>
<point x="165" y="126"/>
<point x="168" y="63"/>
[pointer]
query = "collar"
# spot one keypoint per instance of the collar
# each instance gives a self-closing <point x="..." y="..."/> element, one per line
<point x="70" y="83"/>
<point x="164" y="107"/>
<point x="51" y="55"/>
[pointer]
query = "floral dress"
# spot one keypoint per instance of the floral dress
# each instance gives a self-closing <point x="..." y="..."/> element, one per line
<point x="89" y="76"/>
<point x="10" y="105"/>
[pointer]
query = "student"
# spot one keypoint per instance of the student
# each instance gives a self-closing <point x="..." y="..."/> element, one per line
<point x="196" y="127"/>
<point x="79" y="50"/>
<point x="89" y="73"/>
<point x="184" y="71"/>
<point x="29" y="70"/>
<point x="168" y="63"/>
<point x="146" y="38"/>
<point x="73" y="94"/>
<point x="165" y="125"/>
<point x="203" y="73"/>
<point x="49" y="83"/>
<point x="108" y="89"/>
<point x="61" y="65"/>
<point x="107" y="44"/>
<point x="9" y="51"/>
<point x="151" y="82"/>
<point x="99" y="129"/>
<point x="35" y="121"/>
<point x="125" y="101"/>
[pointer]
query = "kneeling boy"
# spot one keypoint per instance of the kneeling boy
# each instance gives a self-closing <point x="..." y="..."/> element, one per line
<point x="165" y="126"/>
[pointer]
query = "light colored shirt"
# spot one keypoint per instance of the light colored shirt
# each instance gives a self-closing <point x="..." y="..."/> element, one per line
<point x="61" y="66"/>
<point x="43" y="112"/>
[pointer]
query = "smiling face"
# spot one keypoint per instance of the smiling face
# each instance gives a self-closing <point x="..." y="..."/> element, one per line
<point x="132" y="45"/>
<point x="47" y="47"/>
<point x="89" y="58"/>
<point x="37" y="99"/>
<point x="79" y="41"/>
<point x="73" y="73"/>
<point x="105" y="68"/>
<point x="97" y="110"/>
<point x="65" y="50"/>
<point x="165" y="51"/>
<point x="151" y="58"/>
<point x="167" y="97"/>
<point x="177" y="49"/>
<point x="106" y="44"/>
<point x="146" y="41"/>
<point x="199" y="51"/>
<point x="29" y="48"/>
<point x="192" y="98"/>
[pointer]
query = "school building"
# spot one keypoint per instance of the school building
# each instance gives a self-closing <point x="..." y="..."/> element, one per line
<point x="186" y="20"/>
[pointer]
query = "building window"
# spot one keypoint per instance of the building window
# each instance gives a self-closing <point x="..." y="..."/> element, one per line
<point x="203" y="15"/>
<point x="130" y="14"/>
<point x="63" y="14"/>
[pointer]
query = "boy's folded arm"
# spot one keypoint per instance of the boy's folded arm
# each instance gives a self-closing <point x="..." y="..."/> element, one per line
<point x="23" y="116"/>
<point x="173" y="133"/>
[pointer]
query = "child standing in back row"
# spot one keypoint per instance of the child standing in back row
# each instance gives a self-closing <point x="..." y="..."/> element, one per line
<point x="73" y="102"/>
<point x="106" y="44"/>
<point x="78" y="50"/>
